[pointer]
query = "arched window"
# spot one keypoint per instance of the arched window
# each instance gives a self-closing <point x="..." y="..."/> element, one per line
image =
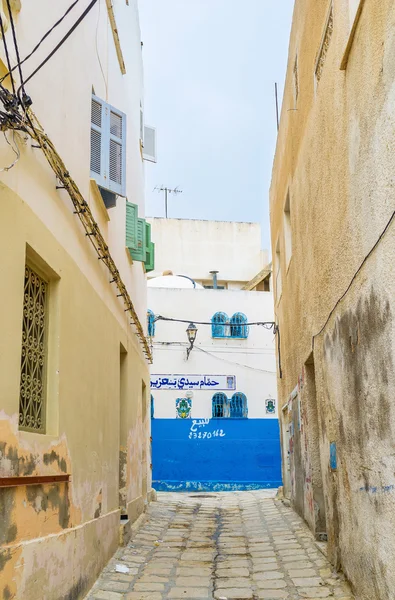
<point x="152" y="406"/>
<point x="219" y="327"/>
<point x="220" y="405"/>
<point x="151" y="323"/>
<point x="238" y="327"/>
<point x="238" y="406"/>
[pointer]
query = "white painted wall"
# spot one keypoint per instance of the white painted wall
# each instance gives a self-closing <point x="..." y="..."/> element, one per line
<point x="252" y="360"/>
<point x="194" y="248"/>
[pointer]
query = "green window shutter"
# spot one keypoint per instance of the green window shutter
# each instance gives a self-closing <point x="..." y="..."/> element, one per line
<point x="147" y="234"/>
<point x="139" y="251"/>
<point x="150" y="257"/>
<point x="131" y="225"/>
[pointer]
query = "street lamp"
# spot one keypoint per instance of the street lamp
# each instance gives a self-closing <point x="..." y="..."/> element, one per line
<point x="191" y="333"/>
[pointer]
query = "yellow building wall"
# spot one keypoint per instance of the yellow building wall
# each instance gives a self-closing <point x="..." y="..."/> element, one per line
<point x="55" y="538"/>
<point x="335" y="158"/>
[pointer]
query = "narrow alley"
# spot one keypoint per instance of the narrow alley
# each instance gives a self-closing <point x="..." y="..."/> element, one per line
<point x="231" y="545"/>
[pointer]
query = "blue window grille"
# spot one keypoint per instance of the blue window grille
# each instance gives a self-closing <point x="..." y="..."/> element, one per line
<point x="220" y="405"/>
<point x="219" y="325"/>
<point x="238" y="406"/>
<point x="151" y="323"/>
<point x="152" y="406"/>
<point x="238" y="327"/>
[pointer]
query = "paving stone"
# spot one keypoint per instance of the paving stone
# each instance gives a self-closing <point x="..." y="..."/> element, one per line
<point x="235" y="572"/>
<point x="148" y="587"/>
<point x="272" y="594"/>
<point x="102" y="595"/>
<point x="192" y="581"/>
<point x="233" y="582"/>
<point x="314" y="593"/>
<point x="307" y="581"/>
<point x="257" y="548"/>
<point x="232" y="593"/>
<point x="274" y="584"/>
<point x="189" y="593"/>
<point x="143" y="596"/>
<point x="301" y="572"/>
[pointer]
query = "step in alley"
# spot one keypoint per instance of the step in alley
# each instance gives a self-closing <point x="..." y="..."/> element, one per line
<point x="226" y="546"/>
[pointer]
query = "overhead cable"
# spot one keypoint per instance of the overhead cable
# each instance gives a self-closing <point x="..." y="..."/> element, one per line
<point x="62" y="41"/>
<point x="265" y="324"/>
<point x="40" y="42"/>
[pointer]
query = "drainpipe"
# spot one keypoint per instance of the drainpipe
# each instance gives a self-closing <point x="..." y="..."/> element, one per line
<point x="215" y="281"/>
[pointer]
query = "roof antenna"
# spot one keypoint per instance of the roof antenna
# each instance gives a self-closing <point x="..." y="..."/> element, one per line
<point x="167" y="190"/>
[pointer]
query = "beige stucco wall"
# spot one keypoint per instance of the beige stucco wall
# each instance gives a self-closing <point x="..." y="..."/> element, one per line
<point x="335" y="156"/>
<point x="56" y="538"/>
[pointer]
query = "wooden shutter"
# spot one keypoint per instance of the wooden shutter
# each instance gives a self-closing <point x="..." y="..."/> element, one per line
<point x="116" y="151"/>
<point x="108" y="147"/>
<point x="97" y="135"/>
<point x="139" y="251"/>
<point x="150" y="257"/>
<point x="131" y="225"/>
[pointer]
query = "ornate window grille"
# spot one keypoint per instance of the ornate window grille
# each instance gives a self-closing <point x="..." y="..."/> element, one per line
<point x="34" y="351"/>
<point x="220" y="406"/>
<point x="220" y="325"/>
<point x="151" y="323"/>
<point x="238" y="327"/>
<point x="238" y="406"/>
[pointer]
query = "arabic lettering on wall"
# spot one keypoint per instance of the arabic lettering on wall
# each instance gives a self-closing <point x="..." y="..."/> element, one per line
<point x="193" y="382"/>
<point x="194" y="432"/>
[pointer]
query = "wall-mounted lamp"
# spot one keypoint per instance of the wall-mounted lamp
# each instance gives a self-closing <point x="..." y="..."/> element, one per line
<point x="191" y="333"/>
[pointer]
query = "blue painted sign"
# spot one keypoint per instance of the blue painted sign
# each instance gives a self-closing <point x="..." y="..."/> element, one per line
<point x="215" y="454"/>
<point x="193" y="382"/>
<point x="333" y="456"/>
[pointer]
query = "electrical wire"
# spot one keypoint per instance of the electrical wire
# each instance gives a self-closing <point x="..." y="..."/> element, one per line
<point x="231" y="362"/>
<point x="266" y="324"/>
<point x="18" y="58"/>
<point x="356" y="274"/>
<point x="16" y="152"/>
<point x="40" y="42"/>
<point x="62" y="41"/>
<point x="6" y="51"/>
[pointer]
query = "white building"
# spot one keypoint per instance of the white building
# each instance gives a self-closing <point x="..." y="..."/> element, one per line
<point x="223" y="390"/>
<point x="198" y="248"/>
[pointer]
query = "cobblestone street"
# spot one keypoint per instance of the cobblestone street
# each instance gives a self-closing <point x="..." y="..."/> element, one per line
<point x="234" y="545"/>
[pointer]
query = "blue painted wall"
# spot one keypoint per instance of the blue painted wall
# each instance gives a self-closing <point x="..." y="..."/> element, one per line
<point x="222" y="454"/>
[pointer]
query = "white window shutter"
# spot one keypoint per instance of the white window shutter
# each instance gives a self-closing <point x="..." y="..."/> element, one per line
<point x="108" y="147"/>
<point x="149" y="152"/>
<point x="97" y="135"/>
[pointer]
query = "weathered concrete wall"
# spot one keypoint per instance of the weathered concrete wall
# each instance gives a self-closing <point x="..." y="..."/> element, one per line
<point x="57" y="537"/>
<point x="335" y="159"/>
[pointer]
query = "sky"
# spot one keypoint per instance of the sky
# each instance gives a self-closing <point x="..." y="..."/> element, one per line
<point x="210" y="68"/>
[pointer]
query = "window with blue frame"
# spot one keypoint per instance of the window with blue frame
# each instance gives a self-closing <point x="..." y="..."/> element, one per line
<point x="151" y="323"/>
<point x="220" y="405"/>
<point x="238" y="406"/>
<point x="219" y="325"/>
<point x="238" y="327"/>
<point x="152" y="407"/>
